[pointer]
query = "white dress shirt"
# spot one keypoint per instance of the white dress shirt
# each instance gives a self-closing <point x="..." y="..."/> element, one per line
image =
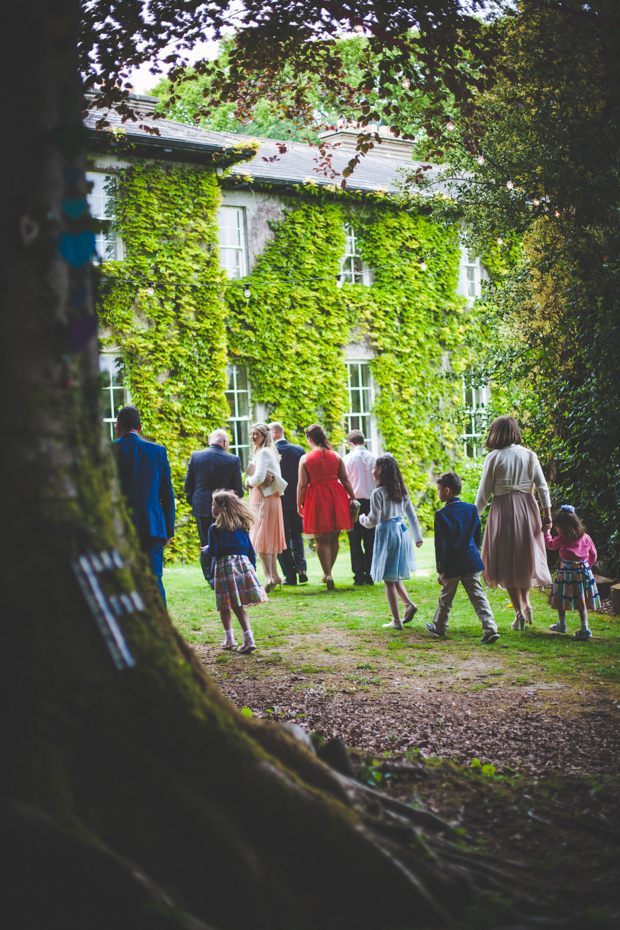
<point x="509" y="470"/>
<point x="382" y="508"/>
<point x="359" y="464"/>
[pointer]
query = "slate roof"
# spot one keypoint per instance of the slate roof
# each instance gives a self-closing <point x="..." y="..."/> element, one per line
<point x="297" y="166"/>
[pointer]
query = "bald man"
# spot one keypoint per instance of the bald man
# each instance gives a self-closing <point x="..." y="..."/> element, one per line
<point x="210" y="470"/>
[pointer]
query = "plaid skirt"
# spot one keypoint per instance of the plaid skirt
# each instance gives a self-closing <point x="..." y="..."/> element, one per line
<point x="574" y="587"/>
<point x="236" y="583"/>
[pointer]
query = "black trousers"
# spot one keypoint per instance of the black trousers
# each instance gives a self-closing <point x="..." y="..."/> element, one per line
<point x="292" y="560"/>
<point x="361" y="541"/>
<point x="203" y="524"/>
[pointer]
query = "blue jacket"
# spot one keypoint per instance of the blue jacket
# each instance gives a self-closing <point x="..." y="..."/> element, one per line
<point x="289" y="467"/>
<point x="144" y="474"/>
<point x="210" y="470"/>
<point x="457" y="539"/>
<point x="229" y="542"/>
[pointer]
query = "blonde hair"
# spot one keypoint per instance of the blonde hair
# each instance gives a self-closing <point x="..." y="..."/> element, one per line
<point x="234" y="514"/>
<point x="268" y="440"/>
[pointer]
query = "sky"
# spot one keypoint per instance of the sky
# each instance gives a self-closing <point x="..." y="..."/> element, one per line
<point x="143" y="80"/>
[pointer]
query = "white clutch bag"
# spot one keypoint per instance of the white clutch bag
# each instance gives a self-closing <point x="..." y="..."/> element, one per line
<point x="275" y="486"/>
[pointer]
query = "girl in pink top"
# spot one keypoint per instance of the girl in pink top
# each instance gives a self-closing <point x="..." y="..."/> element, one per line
<point x="574" y="587"/>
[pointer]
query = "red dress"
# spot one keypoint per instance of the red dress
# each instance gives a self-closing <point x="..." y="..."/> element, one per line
<point x="326" y="505"/>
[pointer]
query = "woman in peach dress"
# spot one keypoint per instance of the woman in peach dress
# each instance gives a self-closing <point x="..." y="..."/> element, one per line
<point x="266" y="485"/>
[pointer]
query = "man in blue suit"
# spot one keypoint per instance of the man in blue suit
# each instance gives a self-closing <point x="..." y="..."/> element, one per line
<point x="292" y="560"/>
<point x="146" y="484"/>
<point x="211" y="470"/>
<point x="457" y="541"/>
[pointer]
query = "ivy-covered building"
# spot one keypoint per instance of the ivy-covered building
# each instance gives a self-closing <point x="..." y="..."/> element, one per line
<point x="240" y="282"/>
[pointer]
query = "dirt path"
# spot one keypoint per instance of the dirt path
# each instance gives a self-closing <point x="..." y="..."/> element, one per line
<point x="475" y="705"/>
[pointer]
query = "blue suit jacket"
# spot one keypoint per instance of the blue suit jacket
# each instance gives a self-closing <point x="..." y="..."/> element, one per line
<point x="289" y="466"/>
<point x="144" y="474"/>
<point x="208" y="471"/>
<point x="457" y="539"/>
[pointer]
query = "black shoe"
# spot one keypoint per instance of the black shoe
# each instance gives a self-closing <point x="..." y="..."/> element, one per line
<point x="432" y="629"/>
<point x="358" y="582"/>
<point x="302" y="578"/>
<point x="291" y="582"/>
<point x="488" y="638"/>
<point x="368" y="579"/>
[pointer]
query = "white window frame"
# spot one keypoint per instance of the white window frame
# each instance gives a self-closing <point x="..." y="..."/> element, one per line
<point x="101" y="202"/>
<point x="228" y="249"/>
<point x="239" y="399"/>
<point x="353" y="267"/>
<point x="472" y="274"/>
<point x="110" y="403"/>
<point x="475" y="399"/>
<point x="364" y="418"/>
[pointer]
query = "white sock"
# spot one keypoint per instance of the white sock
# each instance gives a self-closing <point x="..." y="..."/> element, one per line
<point x="248" y="637"/>
<point x="584" y="624"/>
<point x="230" y="636"/>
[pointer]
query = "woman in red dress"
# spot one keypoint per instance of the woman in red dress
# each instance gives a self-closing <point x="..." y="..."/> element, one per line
<point x="324" y="493"/>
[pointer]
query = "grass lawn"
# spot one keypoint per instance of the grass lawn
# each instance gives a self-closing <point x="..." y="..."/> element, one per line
<point x="307" y="627"/>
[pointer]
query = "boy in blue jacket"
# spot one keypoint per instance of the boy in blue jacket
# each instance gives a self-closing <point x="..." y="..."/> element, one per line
<point x="457" y="541"/>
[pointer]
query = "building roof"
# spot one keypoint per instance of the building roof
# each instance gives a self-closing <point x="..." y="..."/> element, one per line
<point x="298" y="165"/>
<point x="175" y="142"/>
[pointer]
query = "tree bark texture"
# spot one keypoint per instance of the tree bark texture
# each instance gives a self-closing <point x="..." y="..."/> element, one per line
<point x="237" y="822"/>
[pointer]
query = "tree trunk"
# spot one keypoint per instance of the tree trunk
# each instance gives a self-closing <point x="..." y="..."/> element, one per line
<point x="235" y="820"/>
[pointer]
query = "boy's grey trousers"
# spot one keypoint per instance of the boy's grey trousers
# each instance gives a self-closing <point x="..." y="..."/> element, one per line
<point x="475" y="593"/>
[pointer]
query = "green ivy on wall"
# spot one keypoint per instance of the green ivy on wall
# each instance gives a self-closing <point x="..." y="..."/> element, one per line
<point x="172" y="341"/>
<point x="176" y="341"/>
<point x="292" y="337"/>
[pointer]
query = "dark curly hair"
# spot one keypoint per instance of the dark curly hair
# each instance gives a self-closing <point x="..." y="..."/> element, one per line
<point x="568" y="524"/>
<point x="390" y="478"/>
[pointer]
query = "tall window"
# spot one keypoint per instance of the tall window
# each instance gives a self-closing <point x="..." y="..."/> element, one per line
<point x="360" y="399"/>
<point x="231" y="229"/>
<point x="475" y="400"/>
<point x="238" y="397"/>
<point x="353" y="267"/>
<point x="471" y="275"/>
<point x="101" y="202"/>
<point x="113" y="393"/>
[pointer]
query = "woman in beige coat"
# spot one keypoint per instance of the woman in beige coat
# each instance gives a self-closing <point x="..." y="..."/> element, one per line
<point x="513" y="549"/>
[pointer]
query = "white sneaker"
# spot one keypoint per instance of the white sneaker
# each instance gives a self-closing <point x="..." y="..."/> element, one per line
<point x="394" y="625"/>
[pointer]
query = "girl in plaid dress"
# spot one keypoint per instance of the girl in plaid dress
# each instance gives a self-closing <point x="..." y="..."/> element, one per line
<point x="236" y="585"/>
<point x="574" y="587"/>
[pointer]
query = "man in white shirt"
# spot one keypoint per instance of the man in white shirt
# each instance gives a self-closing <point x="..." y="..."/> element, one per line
<point x="359" y="463"/>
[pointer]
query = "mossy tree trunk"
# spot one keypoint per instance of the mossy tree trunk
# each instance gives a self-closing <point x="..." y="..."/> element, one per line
<point x="238" y="822"/>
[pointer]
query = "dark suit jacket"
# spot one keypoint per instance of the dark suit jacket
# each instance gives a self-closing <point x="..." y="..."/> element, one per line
<point x="208" y="471"/>
<point x="457" y="539"/>
<point x="289" y="466"/>
<point x="144" y="474"/>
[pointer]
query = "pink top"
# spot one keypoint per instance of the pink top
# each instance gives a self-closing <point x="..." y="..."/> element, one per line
<point x="573" y="550"/>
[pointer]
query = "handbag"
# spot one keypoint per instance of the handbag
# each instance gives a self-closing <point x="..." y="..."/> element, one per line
<point x="276" y="485"/>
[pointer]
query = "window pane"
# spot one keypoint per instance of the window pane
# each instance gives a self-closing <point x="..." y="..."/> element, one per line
<point x="232" y="262"/>
<point x="354" y="375"/>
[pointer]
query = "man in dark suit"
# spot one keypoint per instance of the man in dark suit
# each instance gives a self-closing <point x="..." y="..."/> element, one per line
<point x="146" y="484"/>
<point x="292" y="560"/>
<point x="457" y="541"/>
<point x="210" y="470"/>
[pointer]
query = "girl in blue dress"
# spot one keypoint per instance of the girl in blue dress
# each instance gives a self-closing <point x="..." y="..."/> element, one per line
<point x="393" y="557"/>
<point x="236" y="583"/>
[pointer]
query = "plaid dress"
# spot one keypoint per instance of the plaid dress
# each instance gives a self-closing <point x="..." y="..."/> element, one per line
<point x="574" y="587"/>
<point x="236" y="583"/>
